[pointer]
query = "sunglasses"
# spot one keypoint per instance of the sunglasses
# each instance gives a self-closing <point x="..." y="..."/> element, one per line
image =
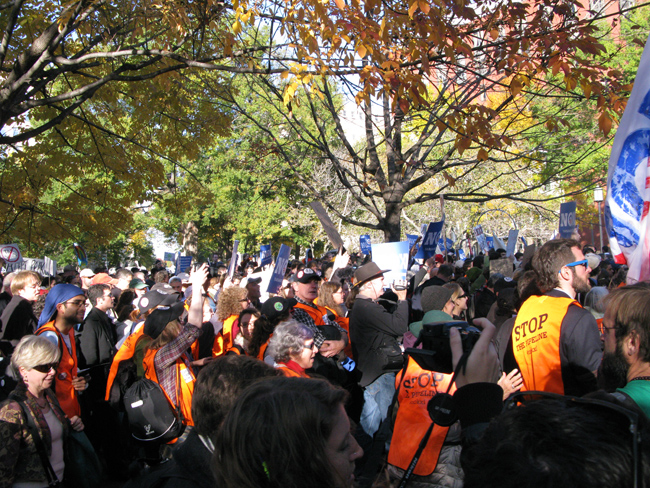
<point x="582" y="262"/>
<point x="45" y="368"/>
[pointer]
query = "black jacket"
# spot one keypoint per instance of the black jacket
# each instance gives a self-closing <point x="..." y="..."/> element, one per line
<point x="18" y="319"/>
<point x="371" y="327"/>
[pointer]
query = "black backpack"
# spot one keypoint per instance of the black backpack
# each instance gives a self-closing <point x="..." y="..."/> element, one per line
<point x="151" y="417"/>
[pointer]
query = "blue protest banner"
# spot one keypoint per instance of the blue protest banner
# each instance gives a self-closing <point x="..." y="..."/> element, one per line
<point x="184" y="262"/>
<point x="364" y="244"/>
<point x="169" y="257"/>
<point x="265" y="255"/>
<point x="490" y="242"/>
<point x="393" y="256"/>
<point x="567" y="219"/>
<point x="461" y="254"/>
<point x="278" y="271"/>
<point x="442" y="247"/>
<point x="430" y="241"/>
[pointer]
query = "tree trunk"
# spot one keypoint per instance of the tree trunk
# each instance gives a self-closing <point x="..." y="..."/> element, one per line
<point x="190" y="234"/>
<point x="392" y="225"/>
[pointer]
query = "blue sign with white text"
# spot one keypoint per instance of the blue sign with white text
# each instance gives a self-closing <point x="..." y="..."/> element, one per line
<point x="430" y="241"/>
<point x="364" y="244"/>
<point x="265" y="255"/>
<point x="567" y="219"/>
<point x="278" y="271"/>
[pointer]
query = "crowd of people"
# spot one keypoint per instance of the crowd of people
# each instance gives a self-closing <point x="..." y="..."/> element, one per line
<point x="525" y="370"/>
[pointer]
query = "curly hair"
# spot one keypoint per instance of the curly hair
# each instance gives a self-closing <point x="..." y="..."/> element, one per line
<point x="229" y="302"/>
<point x="550" y="258"/>
<point x="289" y="337"/>
<point x="276" y="435"/>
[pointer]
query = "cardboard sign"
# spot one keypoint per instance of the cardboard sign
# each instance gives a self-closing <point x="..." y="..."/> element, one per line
<point x="278" y="271"/>
<point x="393" y="256"/>
<point x="512" y="242"/>
<point x="10" y="254"/>
<point x="480" y="238"/>
<point x="44" y="267"/>
<point x="503" y="266"/>
<point x="567" y="219"/>
<point x="183" y="263"/>
<point x="328" y="225"/>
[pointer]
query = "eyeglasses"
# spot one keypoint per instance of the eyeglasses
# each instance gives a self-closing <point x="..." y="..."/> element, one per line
<point x="45" y="368"/>
<point x="582" y="262"/>
<point x="77" y="303"/>
<point x="309" y="346"/>
<point x="632" y="417"/>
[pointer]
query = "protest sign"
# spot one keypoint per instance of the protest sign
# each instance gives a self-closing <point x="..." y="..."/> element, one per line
<point x="461" y="254"/>
<point x="628" y="181"/>
<point x="567" y="219"/>
<point x="393" y="256"/>
<point x="512" y="242"/>
<point x="44" y="267"/>
<point x="278" y="271"/>
<point x="328" y="225"/>
<point x="234" y="257"/>
<point x="490" y="241"/>
<point x="442" y="247"/>
<point x="183" y="263"/>
<point x="431" y="237"/>
<point x="364" y="244"/>
<point x="10" y="254"/>
<point x="480" y="238"/>
<point x="266" y="257"/>
<point x="80" y="252"/>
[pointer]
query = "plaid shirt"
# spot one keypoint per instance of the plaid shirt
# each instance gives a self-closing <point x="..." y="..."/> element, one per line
<point x="304" y="318"/>
<point x="165" y="359"/>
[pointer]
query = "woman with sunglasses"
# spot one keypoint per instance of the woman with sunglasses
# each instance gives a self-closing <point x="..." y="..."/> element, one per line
<point x="293" y="349"/>
<point x="32" y="424"/>
<point x="460" y="298"/>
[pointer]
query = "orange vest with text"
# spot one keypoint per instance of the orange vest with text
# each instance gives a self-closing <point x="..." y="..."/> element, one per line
<point x="536" y="342"/>
<point x="186" y="380"/>
<point x="416" y="387"/>
<point x="65" y="372"/>
<point x="126" y="351"/>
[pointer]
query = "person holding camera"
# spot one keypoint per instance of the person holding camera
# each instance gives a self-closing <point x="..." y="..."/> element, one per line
<point x="374" y="334"/>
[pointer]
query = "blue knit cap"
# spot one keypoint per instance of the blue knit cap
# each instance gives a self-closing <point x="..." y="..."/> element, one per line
<point x="58" y="294"/>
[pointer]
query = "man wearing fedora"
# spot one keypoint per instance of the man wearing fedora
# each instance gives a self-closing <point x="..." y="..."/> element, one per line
<point x="374" y="333"/>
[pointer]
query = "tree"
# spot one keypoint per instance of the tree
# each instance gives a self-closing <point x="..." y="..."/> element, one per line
<point x="425" y="71"/>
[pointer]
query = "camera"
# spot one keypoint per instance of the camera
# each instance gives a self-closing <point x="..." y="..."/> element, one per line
<point x="435" y="354"/>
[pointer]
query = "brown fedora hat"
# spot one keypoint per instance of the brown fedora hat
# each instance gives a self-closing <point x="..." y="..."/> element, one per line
<point x="367" y="272"/>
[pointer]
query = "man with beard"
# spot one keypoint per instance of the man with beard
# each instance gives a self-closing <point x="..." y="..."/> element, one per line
<point x="555" y="341"/>
<point x="626" y="359"/>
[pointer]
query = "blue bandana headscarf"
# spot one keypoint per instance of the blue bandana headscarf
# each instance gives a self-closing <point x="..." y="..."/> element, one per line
<point x="58" y="294"/>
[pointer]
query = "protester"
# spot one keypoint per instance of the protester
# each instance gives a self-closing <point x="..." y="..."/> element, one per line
<point x="166" y="360"/>
<point x="64" y="308"/>
<point x="18" y="319"/>
<point x="5" y="296"/>
<point x="231" y="302"/>
<point x="32" y="452"/>
<point x="247" y="319"/>
<point x="217" y="387"/>
<point x="287" y="432"/>
<point x="292" y="348"/>
<point x="374" y="333"/>
<point x="555" y="341"/>
<point x="459" y="298"/>
<point x="274" y="311"/>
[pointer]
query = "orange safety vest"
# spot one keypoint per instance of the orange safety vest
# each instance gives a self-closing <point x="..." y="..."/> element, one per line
<point x="600" y="326"/>
<point x="416" y="387"/>
<point x="186" y="379"/>
<point x="223" y="341"/>
<point x="263" y="347"/>
<point x="65" y="372"/>
<point x="126" y="351"/>
<point x="536" y="342"/>
<point x="316" y="312"/>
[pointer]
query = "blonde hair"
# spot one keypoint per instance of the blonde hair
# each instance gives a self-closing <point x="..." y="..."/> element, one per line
<point x="33" y="351"/>
<point x="169" y="333"/>
<point x="23" y="279"/>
